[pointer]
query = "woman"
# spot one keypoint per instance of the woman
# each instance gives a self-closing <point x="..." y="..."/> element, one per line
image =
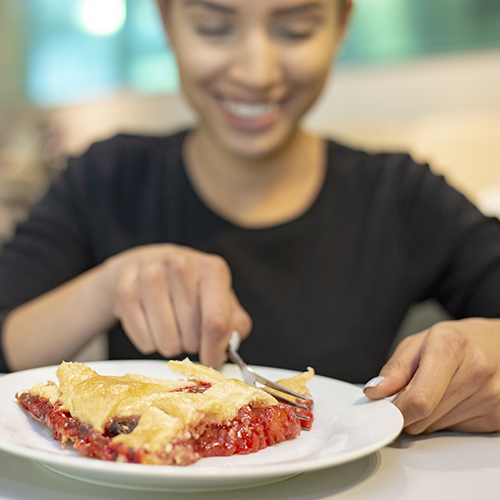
<point x="171" y="243"/>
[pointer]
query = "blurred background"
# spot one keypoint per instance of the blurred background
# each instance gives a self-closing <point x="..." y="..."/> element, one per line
<point x="415" y="75"/>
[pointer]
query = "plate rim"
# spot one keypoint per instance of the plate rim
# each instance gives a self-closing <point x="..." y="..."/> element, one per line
<point x="141" y="471"/>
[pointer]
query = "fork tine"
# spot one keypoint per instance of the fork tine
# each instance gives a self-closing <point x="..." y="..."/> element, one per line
<point x="273" y="385"/>
<point x="302" y="417"/>
<point x="287" y="401"/>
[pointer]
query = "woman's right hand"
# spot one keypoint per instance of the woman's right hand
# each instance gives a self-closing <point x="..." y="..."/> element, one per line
<point x="173" y="299"/>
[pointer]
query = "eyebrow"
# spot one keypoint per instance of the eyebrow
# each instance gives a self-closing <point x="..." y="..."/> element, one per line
<point x="298" y="9"/>
<point x="285" y="11"/>
<point x="211" y="5"/>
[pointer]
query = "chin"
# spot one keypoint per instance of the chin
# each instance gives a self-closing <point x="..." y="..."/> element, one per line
<point x="255" y="146"/>
<point x="251" y="151"/>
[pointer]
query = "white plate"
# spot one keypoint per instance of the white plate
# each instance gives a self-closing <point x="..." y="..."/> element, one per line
<point x="347" y="426"/>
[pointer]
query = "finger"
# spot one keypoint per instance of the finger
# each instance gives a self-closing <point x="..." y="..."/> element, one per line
<point x="484" y="423"/>
<point x="136" y="328"/>
<point x="183" y="285"/>
<point x="159" y="311"/>
<point x="464" y="411"/>
<point x="241" y="320"/>
<point x="455" y="406"/>
<point x="215" y="307"/>
<point x="473" y="414"/>
<point x="440" y="359"/>
<point x="468" y="397"/>
<point x="398" y="371"/>
<point x="128" y="309"/>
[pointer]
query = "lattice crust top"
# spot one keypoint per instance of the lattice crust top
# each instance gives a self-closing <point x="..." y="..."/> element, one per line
<point x="94" y="399"/>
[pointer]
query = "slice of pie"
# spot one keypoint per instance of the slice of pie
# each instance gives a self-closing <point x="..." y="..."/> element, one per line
<point x="139" y="419"/>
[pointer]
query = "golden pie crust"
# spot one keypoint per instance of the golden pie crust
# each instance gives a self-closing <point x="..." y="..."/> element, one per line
<point x="135" y="418"/>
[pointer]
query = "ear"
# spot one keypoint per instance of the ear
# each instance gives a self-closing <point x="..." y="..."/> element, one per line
<point x="346" y="18"/>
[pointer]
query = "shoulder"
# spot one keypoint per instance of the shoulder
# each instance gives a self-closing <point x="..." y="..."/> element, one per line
<point x="394" y="184"/>
<point x="128" y="149"/>
<point x="120" y="167"/>
<point x="392" y="174"/>
<point x="122" y="160"/>
<point x="138" y="142"/>
<point x="384" y="164"/>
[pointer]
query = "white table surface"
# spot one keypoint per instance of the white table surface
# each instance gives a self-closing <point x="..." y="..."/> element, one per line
<point x="442" y="466"/>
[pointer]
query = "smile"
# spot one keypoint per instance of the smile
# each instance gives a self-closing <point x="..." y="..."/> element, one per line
<point x="250" y="111"/>
<point x="251" y="116"/>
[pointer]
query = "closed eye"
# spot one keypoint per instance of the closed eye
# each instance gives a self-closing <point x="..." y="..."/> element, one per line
<point x="297" y="29"/>
<point x="215" y="30"/>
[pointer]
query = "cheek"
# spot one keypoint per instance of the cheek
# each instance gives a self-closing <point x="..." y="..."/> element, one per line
<point x="200" y="66"/>
<point x="308" y="68"/>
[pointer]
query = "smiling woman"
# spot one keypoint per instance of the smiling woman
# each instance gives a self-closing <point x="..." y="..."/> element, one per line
<point x="312" y="251"/>
<point x="251" y="71"/>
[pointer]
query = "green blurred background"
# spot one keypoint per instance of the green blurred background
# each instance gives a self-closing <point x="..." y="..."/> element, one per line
<point x="59" y="52"/>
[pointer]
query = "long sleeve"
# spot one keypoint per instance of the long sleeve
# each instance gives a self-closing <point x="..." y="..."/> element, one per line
<point x="50" y="248"/>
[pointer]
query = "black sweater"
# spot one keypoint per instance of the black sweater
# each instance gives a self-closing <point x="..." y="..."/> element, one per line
<point x="328" y="289"/>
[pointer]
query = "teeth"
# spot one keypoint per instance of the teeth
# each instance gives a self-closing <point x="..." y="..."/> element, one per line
<point x="247" y="110"/>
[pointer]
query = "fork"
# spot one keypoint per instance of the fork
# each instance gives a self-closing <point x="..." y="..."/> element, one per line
<point x="252" y="378"/>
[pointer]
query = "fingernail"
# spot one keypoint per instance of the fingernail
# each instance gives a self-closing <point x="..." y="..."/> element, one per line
<point x="373" y="382"/>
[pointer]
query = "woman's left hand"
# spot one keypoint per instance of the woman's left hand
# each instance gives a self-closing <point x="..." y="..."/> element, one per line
<point x="447" y="377"/>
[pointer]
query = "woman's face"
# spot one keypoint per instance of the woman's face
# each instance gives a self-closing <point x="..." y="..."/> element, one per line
<point x="251" y="69"/>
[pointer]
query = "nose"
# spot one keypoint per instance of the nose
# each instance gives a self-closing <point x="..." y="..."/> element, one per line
<point x="256" y="62"/>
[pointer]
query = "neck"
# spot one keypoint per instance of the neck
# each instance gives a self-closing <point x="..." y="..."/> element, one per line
<point x="257" y="192"/>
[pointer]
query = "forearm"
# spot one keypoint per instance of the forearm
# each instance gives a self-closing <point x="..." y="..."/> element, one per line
<point x="55" y="325"/>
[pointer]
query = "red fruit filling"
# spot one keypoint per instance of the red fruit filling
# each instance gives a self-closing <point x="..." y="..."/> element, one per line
<point x="253" y="429"/>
